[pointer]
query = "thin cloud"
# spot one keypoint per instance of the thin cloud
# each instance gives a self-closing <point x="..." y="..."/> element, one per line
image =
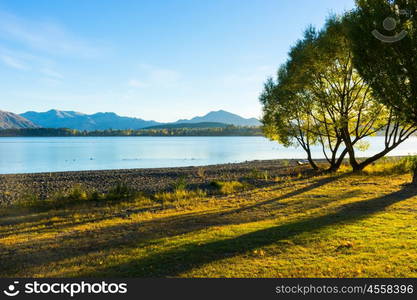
<point x="136" y="83"/>
<point x="152" y="76"/>
<point x="254" y="77"/>
<point x="44" y="36"/>
<point x="12" y="62"/>
<point x="24" y="61"/>
<point x="51" y="73"/>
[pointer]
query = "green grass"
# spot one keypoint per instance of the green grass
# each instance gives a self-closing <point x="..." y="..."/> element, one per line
<point x="339" y="225"/>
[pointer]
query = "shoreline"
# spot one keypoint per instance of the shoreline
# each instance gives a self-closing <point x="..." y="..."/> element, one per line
<point x="147" y="180"/>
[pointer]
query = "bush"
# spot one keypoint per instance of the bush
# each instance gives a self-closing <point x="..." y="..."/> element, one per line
<point x="180" y="184"/>
<point x="256" y="174"/>
<point x="79" y="195"/>
<point x="179" y="198"/>
<point x="411" y="163"/>
<point x="201" y="172"/>
<point x="228" y="187"/>
<point x="119" y="192"/>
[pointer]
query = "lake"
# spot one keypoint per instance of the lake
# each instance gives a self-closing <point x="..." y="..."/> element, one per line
<point x="51" y="154"/>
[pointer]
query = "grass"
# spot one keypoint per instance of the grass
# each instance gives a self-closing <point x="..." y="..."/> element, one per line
<point x="257" y="174"/>
<point x="76" y="196"/>
<point x="338" y="225"/>
<point x="229" y="187"/>
<point x="180" y="198"/>
<point x="387" y="166"/>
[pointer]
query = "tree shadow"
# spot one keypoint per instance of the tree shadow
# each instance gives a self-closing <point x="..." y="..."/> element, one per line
<point x="130" y="234"/>
<point x="191" y="256"/>
<point x="21" y="216"/>
<point x="308" y="188"/>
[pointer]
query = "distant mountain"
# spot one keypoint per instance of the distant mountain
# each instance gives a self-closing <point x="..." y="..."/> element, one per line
<point x="109" y="120"/>
<point x="75" y="120"/>
<point x="189" y="125"/>
<point x="225" y="117"/>
<point x="10" y="120"/>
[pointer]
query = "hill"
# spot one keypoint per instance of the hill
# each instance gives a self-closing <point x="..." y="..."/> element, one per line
<point x="189" y="125"/>
<point x="75" y="120"/>
<point x="222" y="116"/>
<point x="10" y="120"/>
<point x="109" y="120"/>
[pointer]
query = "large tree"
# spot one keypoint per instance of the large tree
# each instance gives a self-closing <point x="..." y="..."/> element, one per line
<point x="319" y="98"/>
<point x="291" y="115"/>
<point x="384" y="43"/>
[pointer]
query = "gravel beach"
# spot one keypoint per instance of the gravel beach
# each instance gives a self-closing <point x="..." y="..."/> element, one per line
<point x="15" y="186"/>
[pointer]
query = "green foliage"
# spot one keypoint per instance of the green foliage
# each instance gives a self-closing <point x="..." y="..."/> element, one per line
<point x="411" y="163"/>
<point x="119" y="192"/>
<point x="180" y="184"/>
<point x="320" y="98"/>
<point x="302" y="107"/>
<point x="390" y="68"/>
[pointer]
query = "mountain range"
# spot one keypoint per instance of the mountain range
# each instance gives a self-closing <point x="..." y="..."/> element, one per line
<point x="222" y="116"/>
<point x="102" y="121"/>
<point x="10" y="120"/>
<point x="75" y="120"/>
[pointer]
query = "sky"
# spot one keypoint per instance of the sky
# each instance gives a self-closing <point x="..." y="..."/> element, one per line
<point x="157" y="60"/>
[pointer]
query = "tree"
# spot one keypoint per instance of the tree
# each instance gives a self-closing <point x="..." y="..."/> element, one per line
<point x="384" y="44"/>
<point x="293" y="115"/>
<point x="286" y="118"/>
<point x="319" y="98"/>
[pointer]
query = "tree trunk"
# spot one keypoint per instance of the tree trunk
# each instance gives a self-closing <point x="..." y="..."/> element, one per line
<point x="312" y="163"/>
<point x="370" y="160"/>
<point x="335" y="165"/>
<point x="351" y="150"/>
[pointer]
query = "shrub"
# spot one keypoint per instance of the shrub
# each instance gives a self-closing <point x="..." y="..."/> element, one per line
<point x="27" y="200"/>
<point x="180" y="184"/>
<point x="119" y="192"/>
<point x="411" y="162"/>
<point x="201" y="172"/>
<point x="228" y="187"/>
<point x="179" y="198"/>
<point x="78" y="195"/>
<point x="256" y="174"/>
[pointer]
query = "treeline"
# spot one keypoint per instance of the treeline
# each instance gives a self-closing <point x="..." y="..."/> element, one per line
<point x="60" y="132"/>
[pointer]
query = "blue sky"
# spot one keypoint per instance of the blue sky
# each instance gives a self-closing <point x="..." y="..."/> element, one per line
<point x="160" y="60"/>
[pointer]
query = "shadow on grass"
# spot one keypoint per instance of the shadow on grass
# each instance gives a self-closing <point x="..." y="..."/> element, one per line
<point x="191" y="256"/>
<point x="129" y="234"/>
<point x="20" y="216"/>
<point x="317" y="184"/>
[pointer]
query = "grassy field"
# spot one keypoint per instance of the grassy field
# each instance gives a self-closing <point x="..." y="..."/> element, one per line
<point x="339" y="225"/>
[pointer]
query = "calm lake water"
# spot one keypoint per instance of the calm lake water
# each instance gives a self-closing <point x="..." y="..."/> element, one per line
<point x="28" y="155"/>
